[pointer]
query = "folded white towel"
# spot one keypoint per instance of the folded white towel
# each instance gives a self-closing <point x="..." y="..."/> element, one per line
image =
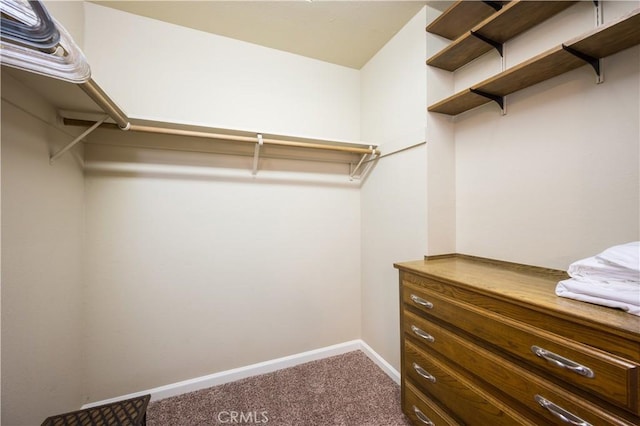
<point x="617" y="263"/>
<point x="624" y="256"/>
<point x="614" y="294"/>
<point x="594" y="269"/>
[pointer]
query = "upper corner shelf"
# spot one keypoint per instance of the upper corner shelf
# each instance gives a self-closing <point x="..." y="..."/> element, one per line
<point x="462" y="16"/>
<point x="610" y="38"/>
<point x="603" y="41"/>
<point x="513" y="19"/>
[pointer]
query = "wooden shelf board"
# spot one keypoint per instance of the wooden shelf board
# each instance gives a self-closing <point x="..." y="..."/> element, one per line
<point x="464" y="50"/>
<point x="513" y="19"/>
<point x="459" y="103"/>
<point x="547" y="65"/>
<point x="459" y="18"/>
<point x="542" y="67"/>
<point x="601" y="42"/>
<point x="519" y="16"/>
<point x="611" y="38"/>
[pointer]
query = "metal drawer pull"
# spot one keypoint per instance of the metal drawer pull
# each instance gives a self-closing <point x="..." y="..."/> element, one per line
<point x="562" y="362"/>
<point x="424" y="419"/>
<point x="560" y="412"/>
<point x="426" y="336"/>
<point x="421" y="371"/>
<point x="420" y="301"/>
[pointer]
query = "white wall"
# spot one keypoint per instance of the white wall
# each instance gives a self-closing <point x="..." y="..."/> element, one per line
<point x="441" y="157"/>
<point x="179" y="74"/>
<point x="556" y="179"/>
<point x="42" y="246"/>
<point x="191" y="274"/>
<point x="394" y="195"/>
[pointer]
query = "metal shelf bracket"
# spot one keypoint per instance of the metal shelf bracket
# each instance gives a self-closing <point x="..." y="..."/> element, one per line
<point x="71" y="144"/>
<point x="493" y="43"/>
<point x="494" y="4"/>
<point x="594" y="62"/>
<point x="497" y="99"/>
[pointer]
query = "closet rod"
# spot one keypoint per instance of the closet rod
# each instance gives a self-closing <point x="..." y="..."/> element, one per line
<point x="94" y="91"/>
<point x="229" y="137"/>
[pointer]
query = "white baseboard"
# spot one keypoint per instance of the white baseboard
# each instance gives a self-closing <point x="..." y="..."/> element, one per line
<point x="380" y="362"/>
<point x="232" y="375"/>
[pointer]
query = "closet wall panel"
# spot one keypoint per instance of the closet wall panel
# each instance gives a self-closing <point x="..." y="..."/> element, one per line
<point x="191" y="275"/>
<point x="42" y="254"/>
<point x="394" y="194"/>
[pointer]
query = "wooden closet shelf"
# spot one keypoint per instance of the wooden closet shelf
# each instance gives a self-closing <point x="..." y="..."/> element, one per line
<point x="542" y="67"/>
<point x="513" y="19"/>
<point x="611" y="38"/>
<point x="462" y="51"/>
<point x="461" y="17"/>
<point x="145" y="126"/>
<point x="601" y="42"/>
<point x="88" y="106"/>
<point x="553" y="62"/>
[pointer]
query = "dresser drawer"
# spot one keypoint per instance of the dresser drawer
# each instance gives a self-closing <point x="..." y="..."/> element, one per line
<point x="450" y="388"/>
<point x="422" y="411"/>
<point x="610" y="377"/>
<point x="539" y="395"/>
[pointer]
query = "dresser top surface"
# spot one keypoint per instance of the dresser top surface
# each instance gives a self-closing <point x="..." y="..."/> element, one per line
<point x="528" y="286"/>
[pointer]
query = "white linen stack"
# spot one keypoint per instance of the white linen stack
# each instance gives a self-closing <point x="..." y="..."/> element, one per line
<point x="611" y="278"/>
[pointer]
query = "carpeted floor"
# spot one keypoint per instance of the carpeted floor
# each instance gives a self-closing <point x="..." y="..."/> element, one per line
<point x="347" y="389"/>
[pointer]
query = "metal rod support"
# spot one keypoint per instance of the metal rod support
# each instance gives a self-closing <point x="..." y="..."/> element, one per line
<point x="355" y="169"/>
<point x="371" y="155"/>
<point x="368" y="166"/>
<point x="76" y="140"/>
<point x="406" y="148"/>
<point x="256" y="155"/>
<point x="104" y="101"/>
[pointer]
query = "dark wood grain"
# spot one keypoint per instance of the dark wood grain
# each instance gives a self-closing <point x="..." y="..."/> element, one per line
<point x="513" y="382"/>
<point x="599" y="43"/>
<point x="614" y="375"/>
<point x="484" y="316"/>
<point x="433" y="413"/>
<point x="460" y="17"/>
<point x="472" y="404"/>
<point x="611" y="38"/>
<point x="513" y="19"/>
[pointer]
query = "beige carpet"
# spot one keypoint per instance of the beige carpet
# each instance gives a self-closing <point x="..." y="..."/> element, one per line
<point x="347" y="389"/>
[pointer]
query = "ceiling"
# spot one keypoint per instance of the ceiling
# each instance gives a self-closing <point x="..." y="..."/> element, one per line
<point x="347" y="33"/>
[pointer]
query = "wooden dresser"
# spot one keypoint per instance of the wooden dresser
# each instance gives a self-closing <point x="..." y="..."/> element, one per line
<point x="489" y="343"/>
